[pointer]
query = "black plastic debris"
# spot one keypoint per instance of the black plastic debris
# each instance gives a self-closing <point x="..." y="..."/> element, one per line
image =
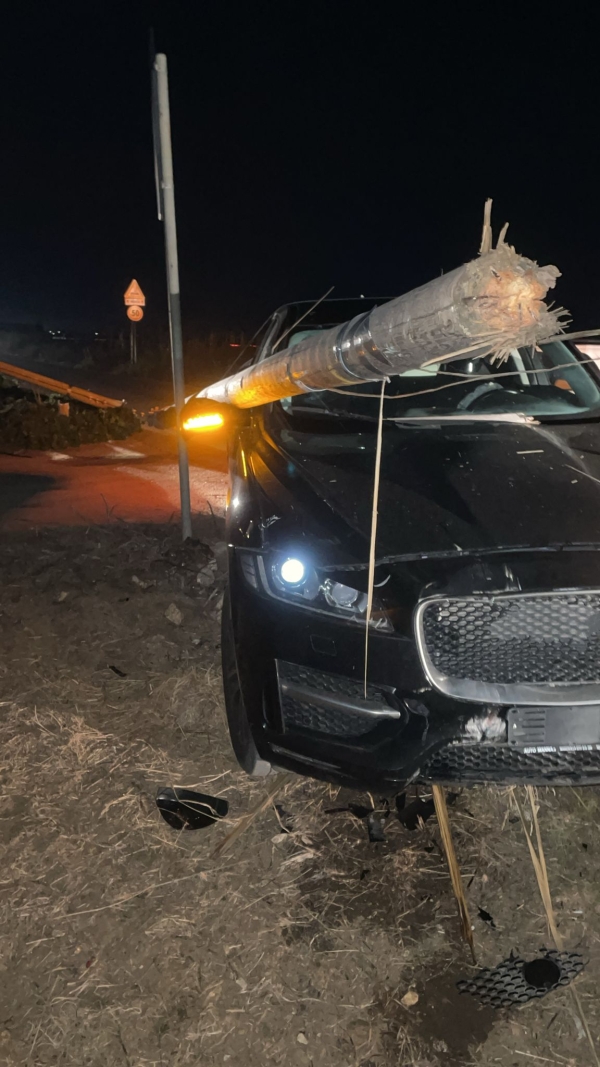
<point x="375" y="819"/>
<point x="410" y="814"/>
<point x="486" y="917"/>
<point x="359" y="811"/>
<point x="184" y="809"/>
<point x="285" y="819"/>
<point x="117" y="671"/>
<point x="516" y="981"/>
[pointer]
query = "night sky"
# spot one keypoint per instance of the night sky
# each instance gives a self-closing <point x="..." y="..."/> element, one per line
<point x="314" y="145"/>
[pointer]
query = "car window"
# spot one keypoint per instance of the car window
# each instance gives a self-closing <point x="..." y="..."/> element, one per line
<point x="301" y="335"/>
<point x="541" y="382"/>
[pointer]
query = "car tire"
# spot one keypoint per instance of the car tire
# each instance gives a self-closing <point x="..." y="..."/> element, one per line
<point x="242" y="741"/>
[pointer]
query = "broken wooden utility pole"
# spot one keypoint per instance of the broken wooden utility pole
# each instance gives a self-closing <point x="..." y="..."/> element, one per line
<point x="492" y="304"/>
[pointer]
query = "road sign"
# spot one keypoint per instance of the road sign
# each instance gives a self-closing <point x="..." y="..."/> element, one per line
<point x="134" y="295"/>
<point x="135" y="313"/>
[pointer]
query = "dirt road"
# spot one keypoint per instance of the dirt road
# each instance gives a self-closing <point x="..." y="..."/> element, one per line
<point x="130" y="481"/>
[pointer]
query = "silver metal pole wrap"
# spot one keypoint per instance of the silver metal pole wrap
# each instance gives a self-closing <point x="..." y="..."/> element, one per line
<point x="493" y="303"/>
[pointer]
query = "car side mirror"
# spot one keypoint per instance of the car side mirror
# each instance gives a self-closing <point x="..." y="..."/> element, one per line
<point x="201" y="415"/>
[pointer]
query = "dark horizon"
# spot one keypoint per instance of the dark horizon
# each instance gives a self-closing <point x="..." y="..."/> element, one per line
<point x="311" y="149"/>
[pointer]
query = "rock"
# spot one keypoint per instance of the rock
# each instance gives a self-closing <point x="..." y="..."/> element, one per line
<point x="410" y="999"/>
<point x="207" y="575"/>
<point x="174" y="615"/>
<point x="221" y="551"/>
<point x="140" y="584"/>
<point x="217" y="607"/>
<point x="302" y="1039"/>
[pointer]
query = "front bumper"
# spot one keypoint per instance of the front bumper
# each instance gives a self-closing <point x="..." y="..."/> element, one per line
<point x="303" y="688"/>
<point x="314" y="705"/>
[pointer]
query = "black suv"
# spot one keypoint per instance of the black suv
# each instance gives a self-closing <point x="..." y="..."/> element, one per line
<point x="484" y="645"/>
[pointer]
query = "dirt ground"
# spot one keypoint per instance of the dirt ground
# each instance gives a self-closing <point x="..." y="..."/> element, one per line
<point x="124" y="942"/>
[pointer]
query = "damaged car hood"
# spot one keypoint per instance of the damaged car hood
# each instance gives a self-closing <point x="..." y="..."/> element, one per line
<point x="460" y="486"/>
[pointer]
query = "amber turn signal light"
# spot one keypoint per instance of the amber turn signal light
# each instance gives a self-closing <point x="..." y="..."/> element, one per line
<point x="213" y="420"/>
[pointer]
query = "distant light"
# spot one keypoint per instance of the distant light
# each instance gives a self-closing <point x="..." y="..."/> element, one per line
<point x="213" y="421"/>
<point x="292" y="571"/>
<point x="232" y="345"/>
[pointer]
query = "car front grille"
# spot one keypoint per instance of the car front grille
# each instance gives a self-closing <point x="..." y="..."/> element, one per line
<point x="527" y="648"/>
<point x="480" y="762"/>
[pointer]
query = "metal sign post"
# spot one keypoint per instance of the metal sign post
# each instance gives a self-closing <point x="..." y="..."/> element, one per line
<point x="135" y="301"/>
<point x="166" y="199"/>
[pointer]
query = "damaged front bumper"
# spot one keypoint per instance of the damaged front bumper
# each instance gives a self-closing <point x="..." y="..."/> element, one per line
<point x="330" y="728"/>
<point x="303" y="682"/>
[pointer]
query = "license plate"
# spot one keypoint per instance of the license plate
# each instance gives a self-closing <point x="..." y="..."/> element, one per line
<point x="572" y="728"/>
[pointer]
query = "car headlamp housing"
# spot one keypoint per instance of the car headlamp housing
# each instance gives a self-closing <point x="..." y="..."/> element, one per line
<point x="295" y="580"/>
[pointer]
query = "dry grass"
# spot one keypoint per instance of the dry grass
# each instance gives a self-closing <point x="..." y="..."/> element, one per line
<point x="126" y="943"/>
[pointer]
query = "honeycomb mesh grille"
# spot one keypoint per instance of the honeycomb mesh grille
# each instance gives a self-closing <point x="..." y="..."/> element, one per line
<point x="305" y="715"/>
<point x="330" y="683"/>
<point x="506" y="984"/>
<point x="482" y="762"/>
<point x="515" y="640"/>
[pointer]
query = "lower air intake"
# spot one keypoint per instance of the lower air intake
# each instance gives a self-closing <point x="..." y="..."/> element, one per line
<point x="329" y="704"/>
<point x="480" y="763"/>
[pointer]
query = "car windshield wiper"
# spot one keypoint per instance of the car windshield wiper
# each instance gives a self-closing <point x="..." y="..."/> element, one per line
<point x="465" y="416"/>
<point x="585" y="416"/>
<point x="338" y="414"/>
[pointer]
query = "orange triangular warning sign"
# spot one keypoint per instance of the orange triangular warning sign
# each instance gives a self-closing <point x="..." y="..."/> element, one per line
<point x="134" y="295"/>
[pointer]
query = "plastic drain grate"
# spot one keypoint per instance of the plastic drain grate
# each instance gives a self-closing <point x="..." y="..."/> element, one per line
<point x="508" y="983"/>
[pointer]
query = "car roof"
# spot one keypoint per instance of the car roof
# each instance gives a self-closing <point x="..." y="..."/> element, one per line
<point x="329" y="301"/>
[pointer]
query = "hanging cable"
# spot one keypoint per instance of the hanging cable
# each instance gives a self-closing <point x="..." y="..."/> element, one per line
<point x="373" y="543"/>
<point x="472" y="377"/>
<point x="302" y="318"/>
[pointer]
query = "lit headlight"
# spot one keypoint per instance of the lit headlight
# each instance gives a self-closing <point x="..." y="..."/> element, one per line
<point x="292" y="571"/>
<point x="294" y="580"/>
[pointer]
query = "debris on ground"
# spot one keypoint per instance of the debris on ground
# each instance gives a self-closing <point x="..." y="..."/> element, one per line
<point x="206" y="577"/>
<point x="515" y="981"/>
<point x="310" y="928"/>
<point x="140" y="584"/>
<point x="417" y="811"/>
<point x="410" y="999"/>
<point x="174" y="615"/>
<point x="486" y="918"/>
<point x="185" y="809"/>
